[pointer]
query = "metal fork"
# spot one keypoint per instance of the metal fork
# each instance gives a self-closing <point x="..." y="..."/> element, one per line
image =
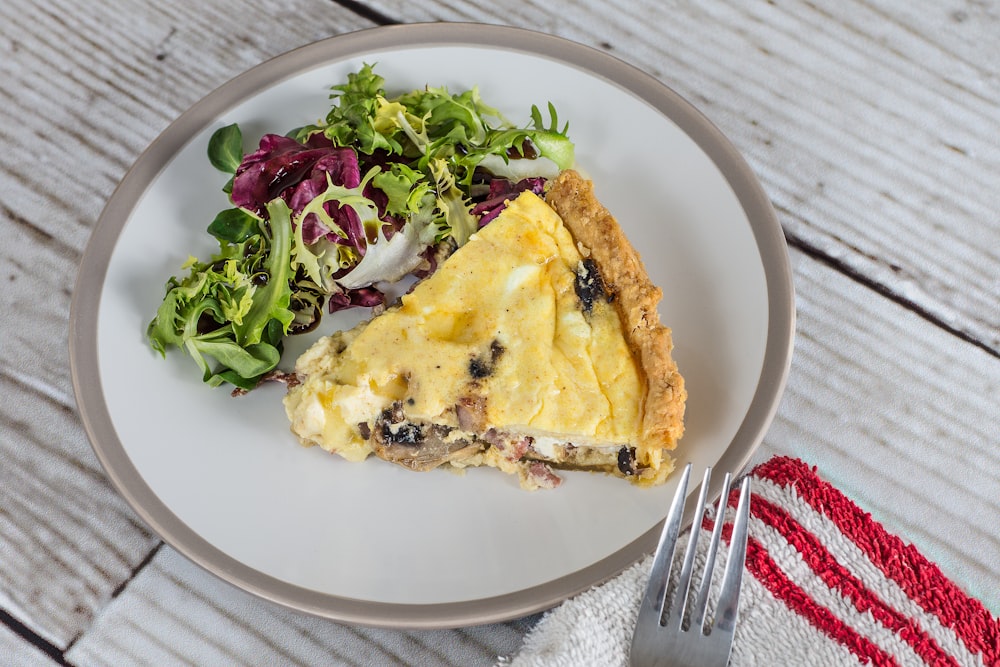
<point x="666" y="637"/>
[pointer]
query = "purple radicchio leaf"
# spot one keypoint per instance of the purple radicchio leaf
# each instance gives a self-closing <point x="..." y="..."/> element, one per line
<point x="502" y="191"/>
<point x="365" y="297"/>
<point x="296" y="172"/>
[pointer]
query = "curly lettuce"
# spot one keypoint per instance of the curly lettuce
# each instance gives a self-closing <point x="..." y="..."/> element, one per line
<point x="323" y="217"/>
<point x="231" y="312"/>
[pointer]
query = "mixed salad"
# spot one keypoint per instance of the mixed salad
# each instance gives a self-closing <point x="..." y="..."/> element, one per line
<point x="323" y="217"/>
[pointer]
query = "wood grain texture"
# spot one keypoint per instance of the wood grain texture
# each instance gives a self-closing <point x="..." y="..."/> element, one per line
<point x="16" y="651"/>
<point x="68" y="540"/>
<point x="175" y="613"/>
<point x="872" y="125"/>
<point x="86" y="86"/>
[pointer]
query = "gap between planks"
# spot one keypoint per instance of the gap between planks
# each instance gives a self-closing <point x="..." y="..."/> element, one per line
<point x="32" y="637"/>
<point x="365" y="11"/>
<point x="48" y="648"/>
<point x="884" y="290"/>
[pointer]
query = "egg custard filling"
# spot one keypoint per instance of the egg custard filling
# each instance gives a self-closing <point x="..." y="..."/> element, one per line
<point x="535" y="346"/>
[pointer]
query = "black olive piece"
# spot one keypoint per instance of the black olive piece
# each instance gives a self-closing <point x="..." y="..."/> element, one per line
<point x="405" y="433"/>
<point x="589" y="285"/>
<point x="479" y="368"/>
<point x="626" y="461"/>
<point x="394" y="429"/>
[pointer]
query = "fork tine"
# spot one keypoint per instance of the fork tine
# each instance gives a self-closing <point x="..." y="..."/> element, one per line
<point x="657" y="643"/>
<point x="659" y="575"/>
<point x="729" y="597"/>
<point x="676" y="614"/>
<point x="700" y="608"/>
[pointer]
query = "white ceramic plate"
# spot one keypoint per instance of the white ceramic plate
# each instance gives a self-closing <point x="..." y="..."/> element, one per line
<point x="223" y="481"/>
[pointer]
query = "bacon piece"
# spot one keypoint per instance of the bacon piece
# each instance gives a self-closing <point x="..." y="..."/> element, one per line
<point x="540" y="475"/>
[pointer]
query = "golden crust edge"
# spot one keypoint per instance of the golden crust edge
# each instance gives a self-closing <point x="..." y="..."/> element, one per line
<point x="636" y="299"/>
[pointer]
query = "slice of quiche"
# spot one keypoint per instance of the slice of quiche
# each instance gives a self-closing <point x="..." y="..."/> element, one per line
<point x="535" y="346"/>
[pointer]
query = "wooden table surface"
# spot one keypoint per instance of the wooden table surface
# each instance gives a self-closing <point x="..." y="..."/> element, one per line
<point x="874" y="126"/>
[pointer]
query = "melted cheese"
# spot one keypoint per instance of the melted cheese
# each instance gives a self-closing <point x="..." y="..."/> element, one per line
<point x="500" y="319"/>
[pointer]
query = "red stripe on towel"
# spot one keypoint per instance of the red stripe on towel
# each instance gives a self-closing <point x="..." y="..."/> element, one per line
<point x="760" y="564"/>
<point x="839" y="578"/>
<point x="922" y="581"/>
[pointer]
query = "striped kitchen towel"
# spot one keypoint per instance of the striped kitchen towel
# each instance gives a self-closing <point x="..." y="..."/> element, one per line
<point x="825" y="584"/>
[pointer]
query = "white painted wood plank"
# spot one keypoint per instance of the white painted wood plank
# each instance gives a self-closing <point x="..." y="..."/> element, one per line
<point x="37" y="284"/>
<point x="88" y="87"/>
<point x="68" y="540"/>
<point x="873" y="125"/>
<point x="175" y="613"/>
<point x="16" y="651"/>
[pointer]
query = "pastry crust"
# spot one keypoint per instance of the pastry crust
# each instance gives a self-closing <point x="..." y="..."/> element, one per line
<point x="636" y="299"/>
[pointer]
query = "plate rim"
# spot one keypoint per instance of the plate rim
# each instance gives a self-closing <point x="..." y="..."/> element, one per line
<point x="91" y="275"/>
